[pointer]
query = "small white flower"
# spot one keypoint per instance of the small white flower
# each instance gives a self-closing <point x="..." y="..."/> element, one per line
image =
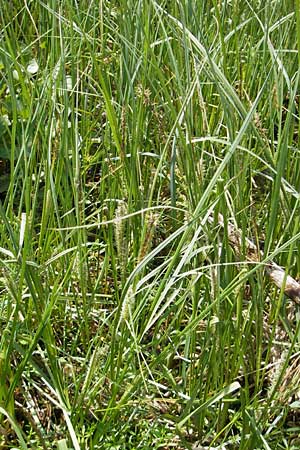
<point x="6" y="120"/>
<point x="32" y="67"/>
<point x="15" y="75"/>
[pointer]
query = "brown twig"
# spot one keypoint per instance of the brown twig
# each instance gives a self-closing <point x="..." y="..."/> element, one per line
<point x="253" y="254"/>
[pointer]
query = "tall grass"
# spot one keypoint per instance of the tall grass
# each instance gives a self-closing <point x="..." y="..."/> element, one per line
<point x="127" y="319"/>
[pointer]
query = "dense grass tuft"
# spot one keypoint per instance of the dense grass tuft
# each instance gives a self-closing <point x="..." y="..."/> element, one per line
<point x="128" y="320"/>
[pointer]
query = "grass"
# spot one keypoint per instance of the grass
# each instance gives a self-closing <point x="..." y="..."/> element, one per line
<point x="127" y="319"/>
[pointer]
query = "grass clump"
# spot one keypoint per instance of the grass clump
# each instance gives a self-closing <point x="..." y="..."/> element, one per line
<point x="128" y="319"/>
